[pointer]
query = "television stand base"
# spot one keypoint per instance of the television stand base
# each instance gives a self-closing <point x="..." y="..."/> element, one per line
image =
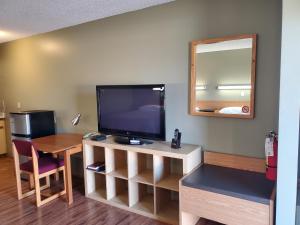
<point x="131" y="141"/>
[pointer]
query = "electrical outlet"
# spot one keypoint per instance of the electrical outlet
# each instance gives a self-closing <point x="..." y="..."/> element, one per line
<point x="19" y="105"/>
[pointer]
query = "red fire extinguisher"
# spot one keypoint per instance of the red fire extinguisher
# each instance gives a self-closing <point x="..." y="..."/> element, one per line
<point x="271" y="150"/>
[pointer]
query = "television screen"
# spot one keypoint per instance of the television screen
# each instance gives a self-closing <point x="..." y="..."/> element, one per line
<point x="132" y="110"/>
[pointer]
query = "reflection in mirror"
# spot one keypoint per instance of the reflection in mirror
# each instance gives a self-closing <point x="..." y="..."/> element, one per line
<point x="222" y="77"/>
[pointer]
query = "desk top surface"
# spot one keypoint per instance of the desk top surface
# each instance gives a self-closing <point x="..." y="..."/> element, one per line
<point x="247" y="185"/>
<point x="57" y="143"/>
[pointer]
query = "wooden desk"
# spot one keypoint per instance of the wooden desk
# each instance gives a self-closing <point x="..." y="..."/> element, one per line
<point x="62" y="143"/>
<point x="227" y="189"/>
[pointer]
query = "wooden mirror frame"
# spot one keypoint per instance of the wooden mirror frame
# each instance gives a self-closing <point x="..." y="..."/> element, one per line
<point x="192" y="92"/>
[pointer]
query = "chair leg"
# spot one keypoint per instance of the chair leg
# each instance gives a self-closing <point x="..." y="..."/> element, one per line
<point x="22" y="195"/>
<point x="31" y="181"/>
<point x="57" y="173"/>
<point x="37" y="190"/>
<point x="57" y="176"/>
<point x="52" y="197"/>
<point x="64" y="176"/>
<point x="19" y="185"/>
<point x="36" y="176"/>
<point x="17" y="172"/>
<point x="48" y="181"/>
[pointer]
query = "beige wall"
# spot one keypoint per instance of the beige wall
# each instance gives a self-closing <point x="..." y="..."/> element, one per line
<point x="1" y="77"/>
<point x="59" y="70"/>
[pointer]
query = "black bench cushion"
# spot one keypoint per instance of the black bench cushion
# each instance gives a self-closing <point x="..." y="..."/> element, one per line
<point x="242" y="184"/>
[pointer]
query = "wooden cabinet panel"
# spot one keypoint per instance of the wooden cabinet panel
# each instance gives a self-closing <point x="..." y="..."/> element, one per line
<point x="222" y="208"/>
<point x="3" y="148"/>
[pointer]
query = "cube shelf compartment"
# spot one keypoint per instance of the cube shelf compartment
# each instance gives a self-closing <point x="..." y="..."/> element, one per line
<point x="169" y="173"/>
<point x="167" y="204"/>
<point x="97" y="185"/>
<point x="95" y="154"/>
<point x="119" y="164"/>
<point x="145" y="169"/>
<point x="120" y="192"/>
<point x="142" y="197"/>
<point x="141" y="179"/>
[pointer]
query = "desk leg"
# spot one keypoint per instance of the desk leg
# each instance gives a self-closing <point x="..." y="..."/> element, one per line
<point x="68" y="176"/>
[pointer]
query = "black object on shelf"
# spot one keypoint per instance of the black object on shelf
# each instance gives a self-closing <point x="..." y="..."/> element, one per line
<point x="97" y="167"/>
<point x="131" y="141"/>
<point x="176" y="141"/>
<point x="98" y="137"/>
<point x="206" y="110"/>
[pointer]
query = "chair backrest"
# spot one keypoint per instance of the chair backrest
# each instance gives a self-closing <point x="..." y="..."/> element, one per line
<point x="24" y="148"/>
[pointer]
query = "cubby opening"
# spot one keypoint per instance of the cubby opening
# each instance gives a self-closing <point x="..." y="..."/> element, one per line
<point x="120" y="195"/>
<point x="167" y="204"/>
<point x="98" y="186"/>
<point x="168" y="172"/>
<point x="145" y="169"/>
<point x="97" y="155"/>
<point x="120" y="169"/>
<point x="142" y="197"/>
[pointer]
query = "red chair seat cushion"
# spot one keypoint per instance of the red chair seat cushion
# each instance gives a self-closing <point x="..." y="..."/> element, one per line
<point x="46" y="164"/>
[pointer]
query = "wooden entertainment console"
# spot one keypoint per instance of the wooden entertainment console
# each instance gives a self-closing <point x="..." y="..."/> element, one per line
<point x="143" y="179"/>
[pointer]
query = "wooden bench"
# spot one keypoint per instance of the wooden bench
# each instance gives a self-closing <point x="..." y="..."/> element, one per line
<point x="227" y="189"/>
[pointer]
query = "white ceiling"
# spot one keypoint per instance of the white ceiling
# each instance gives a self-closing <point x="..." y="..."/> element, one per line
<point x="23" y="18"/>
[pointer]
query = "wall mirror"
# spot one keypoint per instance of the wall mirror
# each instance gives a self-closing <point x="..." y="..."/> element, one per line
<point x="222" y="82"/>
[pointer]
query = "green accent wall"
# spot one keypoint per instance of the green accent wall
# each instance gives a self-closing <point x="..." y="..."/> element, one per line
<point x="59" y="70"/>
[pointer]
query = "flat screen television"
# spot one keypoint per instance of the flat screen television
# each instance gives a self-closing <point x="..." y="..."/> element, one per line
<point x="132" y="111"/>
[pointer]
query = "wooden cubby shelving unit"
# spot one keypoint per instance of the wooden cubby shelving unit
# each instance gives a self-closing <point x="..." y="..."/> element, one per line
<point x="141" y="179"/>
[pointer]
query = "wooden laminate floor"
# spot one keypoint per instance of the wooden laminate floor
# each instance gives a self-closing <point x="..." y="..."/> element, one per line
<point x="83" y="211"/>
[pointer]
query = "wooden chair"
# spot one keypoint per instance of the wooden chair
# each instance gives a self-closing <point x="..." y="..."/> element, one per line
<point x="37" y="167"/>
